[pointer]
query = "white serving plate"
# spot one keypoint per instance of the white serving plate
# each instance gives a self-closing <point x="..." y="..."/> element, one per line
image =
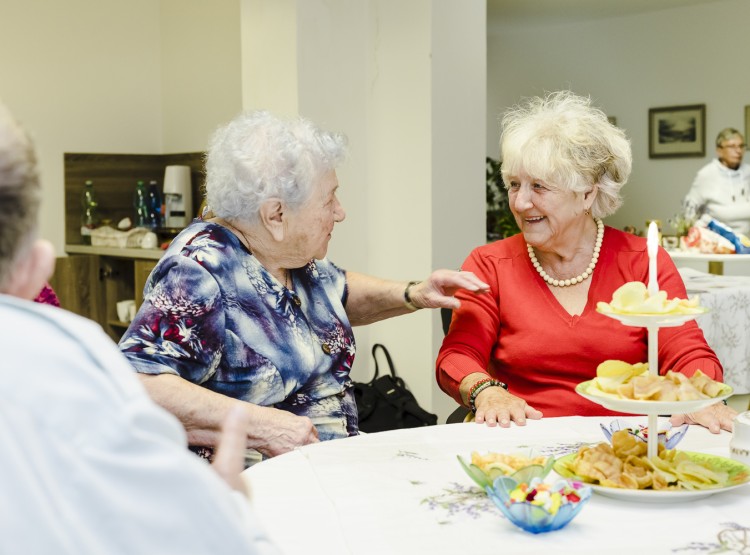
<point x="654" y="320"/>
<point x="633" y="406"/>
<point x="740" y="472"/>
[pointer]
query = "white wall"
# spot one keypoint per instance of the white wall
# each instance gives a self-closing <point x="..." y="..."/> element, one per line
<point x="269" y="55"/>
<point x="201" y="73"/>
<point x="142" y="76"/>
<point x="692" y="55"/>
<point x="82" y="76"/>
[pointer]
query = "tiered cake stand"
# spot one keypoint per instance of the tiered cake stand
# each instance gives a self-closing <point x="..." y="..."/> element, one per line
<point x="651" y="408"/>
<point x="652" y="322"/>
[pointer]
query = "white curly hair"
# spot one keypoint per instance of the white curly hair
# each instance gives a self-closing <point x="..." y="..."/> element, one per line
<point x="258" y="156"/>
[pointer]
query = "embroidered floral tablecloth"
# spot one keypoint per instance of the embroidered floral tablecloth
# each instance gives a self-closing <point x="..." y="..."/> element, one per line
<point x="726" y="325"/>
<point x="404" y="492"/>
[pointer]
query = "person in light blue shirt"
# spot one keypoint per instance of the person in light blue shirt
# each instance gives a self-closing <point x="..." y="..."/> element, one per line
<point x="90" y="463"/>
<point x="245" y="309"/>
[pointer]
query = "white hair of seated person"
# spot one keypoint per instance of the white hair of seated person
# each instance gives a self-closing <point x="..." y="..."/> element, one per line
<point x="26" y="263"/>
<point x="258" y="156"/>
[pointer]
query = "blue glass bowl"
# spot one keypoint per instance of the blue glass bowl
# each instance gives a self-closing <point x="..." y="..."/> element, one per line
<point x="534" y="518"/>
<point x="669" y="437"/>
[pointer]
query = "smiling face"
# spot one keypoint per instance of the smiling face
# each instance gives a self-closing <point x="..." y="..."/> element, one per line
<point x="551" y="218"/>
<point x="310" y="226"/>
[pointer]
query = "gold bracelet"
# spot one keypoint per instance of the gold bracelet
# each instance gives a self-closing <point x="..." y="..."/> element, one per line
<point x="407" y="298"/>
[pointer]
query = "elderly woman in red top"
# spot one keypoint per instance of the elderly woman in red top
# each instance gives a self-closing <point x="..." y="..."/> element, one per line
<point x="538" y="330"/>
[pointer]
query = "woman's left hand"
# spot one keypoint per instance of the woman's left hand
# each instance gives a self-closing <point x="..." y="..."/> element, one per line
<point x="437" y="290"/>
<point x="716" y="417"/>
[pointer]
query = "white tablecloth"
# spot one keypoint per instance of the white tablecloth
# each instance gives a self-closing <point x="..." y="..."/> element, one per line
<point x="726" y="326"/>
<point x="403" y="492"/>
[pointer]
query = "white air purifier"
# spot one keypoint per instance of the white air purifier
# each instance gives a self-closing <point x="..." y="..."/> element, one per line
<point x="178" y="197"/>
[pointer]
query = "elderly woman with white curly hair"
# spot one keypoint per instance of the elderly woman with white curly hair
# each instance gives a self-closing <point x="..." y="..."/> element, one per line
<point x="519" y="351"/>
<point x="244" y="309"/>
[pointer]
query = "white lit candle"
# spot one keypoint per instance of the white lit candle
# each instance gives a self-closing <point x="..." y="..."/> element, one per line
<point x="652" y="243"/>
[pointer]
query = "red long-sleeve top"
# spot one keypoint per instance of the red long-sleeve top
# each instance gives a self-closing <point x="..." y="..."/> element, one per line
<point x="518" y="332"/>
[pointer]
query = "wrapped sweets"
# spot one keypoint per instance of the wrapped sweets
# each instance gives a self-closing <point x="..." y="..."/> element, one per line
<point x="548" y="497"/>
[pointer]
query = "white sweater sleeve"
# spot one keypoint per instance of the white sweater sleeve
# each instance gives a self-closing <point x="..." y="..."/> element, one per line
<point x="93" y="465"/>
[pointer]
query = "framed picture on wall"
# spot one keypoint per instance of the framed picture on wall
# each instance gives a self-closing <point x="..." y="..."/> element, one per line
<point x="677" y="131"/>
<point x="747" y="126"/>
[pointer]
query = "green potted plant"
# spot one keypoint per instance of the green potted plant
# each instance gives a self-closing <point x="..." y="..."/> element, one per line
<point x="500" y="220"/>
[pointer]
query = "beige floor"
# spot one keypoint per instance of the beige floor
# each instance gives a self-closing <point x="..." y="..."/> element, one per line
<point x="740" y="403"/>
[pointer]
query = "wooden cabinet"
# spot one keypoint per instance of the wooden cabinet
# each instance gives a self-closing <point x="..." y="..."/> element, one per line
<point x="114" y="177"/>
<point x="77" y="283"/>
<point x="92" y="280"/>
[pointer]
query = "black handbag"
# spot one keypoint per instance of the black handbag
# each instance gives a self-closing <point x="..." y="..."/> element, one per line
<point x="385" y="403"/>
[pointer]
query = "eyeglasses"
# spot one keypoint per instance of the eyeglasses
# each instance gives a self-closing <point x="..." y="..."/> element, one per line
<point x="739" y="146"/>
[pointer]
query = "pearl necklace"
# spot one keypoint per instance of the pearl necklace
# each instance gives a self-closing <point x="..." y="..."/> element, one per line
<point x="579" y="278"/>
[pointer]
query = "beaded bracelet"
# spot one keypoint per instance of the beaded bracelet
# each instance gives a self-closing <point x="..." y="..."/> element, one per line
<point x="480" y="386"/>
<point x="407" y="298"/>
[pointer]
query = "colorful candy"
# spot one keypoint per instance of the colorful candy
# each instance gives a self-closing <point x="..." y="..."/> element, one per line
<point x="550" y="497"/>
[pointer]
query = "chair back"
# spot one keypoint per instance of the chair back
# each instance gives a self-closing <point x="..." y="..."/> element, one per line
<point x="461" y="413"/>
<point x="445" y="315"/>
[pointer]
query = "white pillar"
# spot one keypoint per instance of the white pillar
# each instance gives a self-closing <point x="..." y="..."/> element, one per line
<point x="459" y="119"/>
<point x="269" y="55"/>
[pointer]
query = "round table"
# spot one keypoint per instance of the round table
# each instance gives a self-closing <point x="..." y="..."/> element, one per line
<point x="403" y="492"/>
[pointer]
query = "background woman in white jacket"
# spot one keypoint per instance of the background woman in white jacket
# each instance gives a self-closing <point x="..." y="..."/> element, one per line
<point x="722" y="187"/>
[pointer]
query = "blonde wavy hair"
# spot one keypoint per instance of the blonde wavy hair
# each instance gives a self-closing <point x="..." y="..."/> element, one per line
<point x="562" y="139"/>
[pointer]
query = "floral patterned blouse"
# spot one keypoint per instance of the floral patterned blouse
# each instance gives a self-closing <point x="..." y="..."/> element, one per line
<point x="47" y="296"/>
<point x="213" y="315"/>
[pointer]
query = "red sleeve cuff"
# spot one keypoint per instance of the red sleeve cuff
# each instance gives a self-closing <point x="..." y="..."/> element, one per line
<point x="452" y="370"/>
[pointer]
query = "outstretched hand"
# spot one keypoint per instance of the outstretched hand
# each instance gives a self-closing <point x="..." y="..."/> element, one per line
<point x="496" y="406"/>
<point x="716" y="418"/>
<point x="437" y="290"/>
